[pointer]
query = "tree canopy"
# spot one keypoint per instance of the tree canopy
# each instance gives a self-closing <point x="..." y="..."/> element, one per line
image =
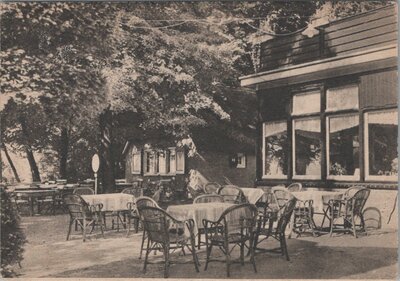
<point x="173" y="64"/>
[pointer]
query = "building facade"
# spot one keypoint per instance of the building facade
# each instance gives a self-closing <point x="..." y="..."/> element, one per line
<point x="328" y="105"/>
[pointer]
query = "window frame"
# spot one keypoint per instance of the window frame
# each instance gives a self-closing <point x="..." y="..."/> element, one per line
<point x="264" y="176"/>
<point x="368" y="177"/>
<point x="341" y="177"/>
<point x="305" y="177"/>
<point x="243" y="160"/>
<point x="182" y="151"/>
<point x="134" y="152"/>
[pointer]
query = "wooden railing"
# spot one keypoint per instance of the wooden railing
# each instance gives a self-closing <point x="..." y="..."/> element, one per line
<point x="366" y="31"/>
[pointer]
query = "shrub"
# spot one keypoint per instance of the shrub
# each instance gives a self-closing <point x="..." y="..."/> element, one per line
<point x="12" y="237"/>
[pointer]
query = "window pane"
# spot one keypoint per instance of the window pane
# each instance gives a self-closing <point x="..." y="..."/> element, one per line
<point x="342" y="98"/>
<point x="275" y="149"/>
<point x="306" y="103"/>
<point x="172" y="161"/>
<point x="307" y="147"/>
<point x="382" y="141"/>
<point x="180" y="161"/>
<point x="136" y="160"/>
<point x="344" y="146"/>
<point x="162" y="162"/>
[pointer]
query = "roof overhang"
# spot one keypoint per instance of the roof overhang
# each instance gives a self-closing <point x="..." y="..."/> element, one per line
<point x="373" y="59"/>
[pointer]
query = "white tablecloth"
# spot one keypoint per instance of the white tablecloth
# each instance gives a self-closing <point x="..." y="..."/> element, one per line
<point x="316" y="196"/>
<point x="252" y="194"/>
<point x="198" y="212"/>
<point x="111" y="201"/>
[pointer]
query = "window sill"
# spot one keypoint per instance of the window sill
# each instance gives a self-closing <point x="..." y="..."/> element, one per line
<point x="265" y="177"/>
<point x="382" y="178"/>
<point x="300" y="177"/>
<point x="343" y="178"/>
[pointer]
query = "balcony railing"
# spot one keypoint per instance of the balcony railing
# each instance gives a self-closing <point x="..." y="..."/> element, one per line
<point x="374" y="29"/>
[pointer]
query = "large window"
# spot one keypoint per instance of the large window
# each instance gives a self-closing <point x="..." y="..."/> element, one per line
<point x="380" y="135"/>
<point x="275" y="149"/>
<point x="343" y="147"/>
<point x="307" y="148"/>
<point x="164" y="162"/>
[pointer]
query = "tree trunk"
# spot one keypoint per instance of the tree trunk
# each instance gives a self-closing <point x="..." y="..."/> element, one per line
<point x="29" y="153"/>
<point x="63" y="152"/>
<point x="106" y="152"/>
<point x="4" y="147"/>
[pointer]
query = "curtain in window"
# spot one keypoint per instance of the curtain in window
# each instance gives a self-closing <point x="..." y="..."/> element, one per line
<point x="306" y="103"/>
<point x="342" y="98"/>
<point x="274" y="128"/>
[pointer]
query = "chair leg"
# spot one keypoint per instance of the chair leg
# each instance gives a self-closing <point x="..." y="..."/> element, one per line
<point x="252" y="254"/>
<point x="353" y="223"/>
<point x="146" y="256"/>
<point x="242" y="253"/>
<point x="198" y="239"/>
<point x="195" y="258"/>
<point x="141" y="246"/>
<point x="166" y="266"/>
<point x="209" y="248"/>
<point x="71" y="222"/>
<point x="228" y="259"/>
<point x="128" y="227"/>
<point x="84" y="229"/>
<point x="284" y="245"/>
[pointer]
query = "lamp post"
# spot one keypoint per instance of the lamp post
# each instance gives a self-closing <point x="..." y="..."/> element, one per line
<point x="95" y="168"/>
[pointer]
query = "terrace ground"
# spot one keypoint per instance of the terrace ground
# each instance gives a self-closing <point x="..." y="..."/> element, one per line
<point x="47" y="254"/>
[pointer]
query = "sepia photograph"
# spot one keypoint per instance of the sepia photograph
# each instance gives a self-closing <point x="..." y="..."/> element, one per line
<point x="199" y="139"/>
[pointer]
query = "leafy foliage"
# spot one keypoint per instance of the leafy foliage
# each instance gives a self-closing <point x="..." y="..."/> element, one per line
<point x="12" y="237"/>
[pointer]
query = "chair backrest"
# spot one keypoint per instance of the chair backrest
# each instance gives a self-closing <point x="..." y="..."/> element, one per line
<point x="194" y="192"/>
<point x="358" y="200"/>
<point x="232" y="194"/>
<point x="240" y="217"/>
<point x="351" y="191"/>
<point x="83" y="191"/>
<point x="282" y="196"/>
<point x="372" y="218"/>
<point x="296" y="186"/>
<point x="134" y="190"/>
<point x="208" y="198"/>
<point x="286" y="215"/>
<point x="76" y="206"/>
<point x="155" y="223"/>
<point x="146" y="201"/>
<point x="212" y="187"/>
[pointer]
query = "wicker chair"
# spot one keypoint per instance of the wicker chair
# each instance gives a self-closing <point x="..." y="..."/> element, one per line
<point x="134" y="190"/>
<point x="166" y="233"/>
<point x="349" y="209"/>
<point x="296" y="186"/>
<point x="303" y="217"/>
<point x="235" y="226"/>
<point x="208" y="198"/>
<point x="82" y="214"/>
<point x="211" y="187"/>
<point x="135" y="215"/>
<point x="281" y="196"/>
<point x="265" y="229"/>
<point x="194" y="192"/>
<point x="232" y="194"/>
<point x="83" y="191"/>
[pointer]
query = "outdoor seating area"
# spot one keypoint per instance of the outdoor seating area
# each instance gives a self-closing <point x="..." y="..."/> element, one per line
<point x="220" y="221"/>
<point x="213" y="228"/>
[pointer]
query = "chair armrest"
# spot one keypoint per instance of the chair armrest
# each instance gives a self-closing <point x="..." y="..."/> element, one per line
<point x="96" y="208"/>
